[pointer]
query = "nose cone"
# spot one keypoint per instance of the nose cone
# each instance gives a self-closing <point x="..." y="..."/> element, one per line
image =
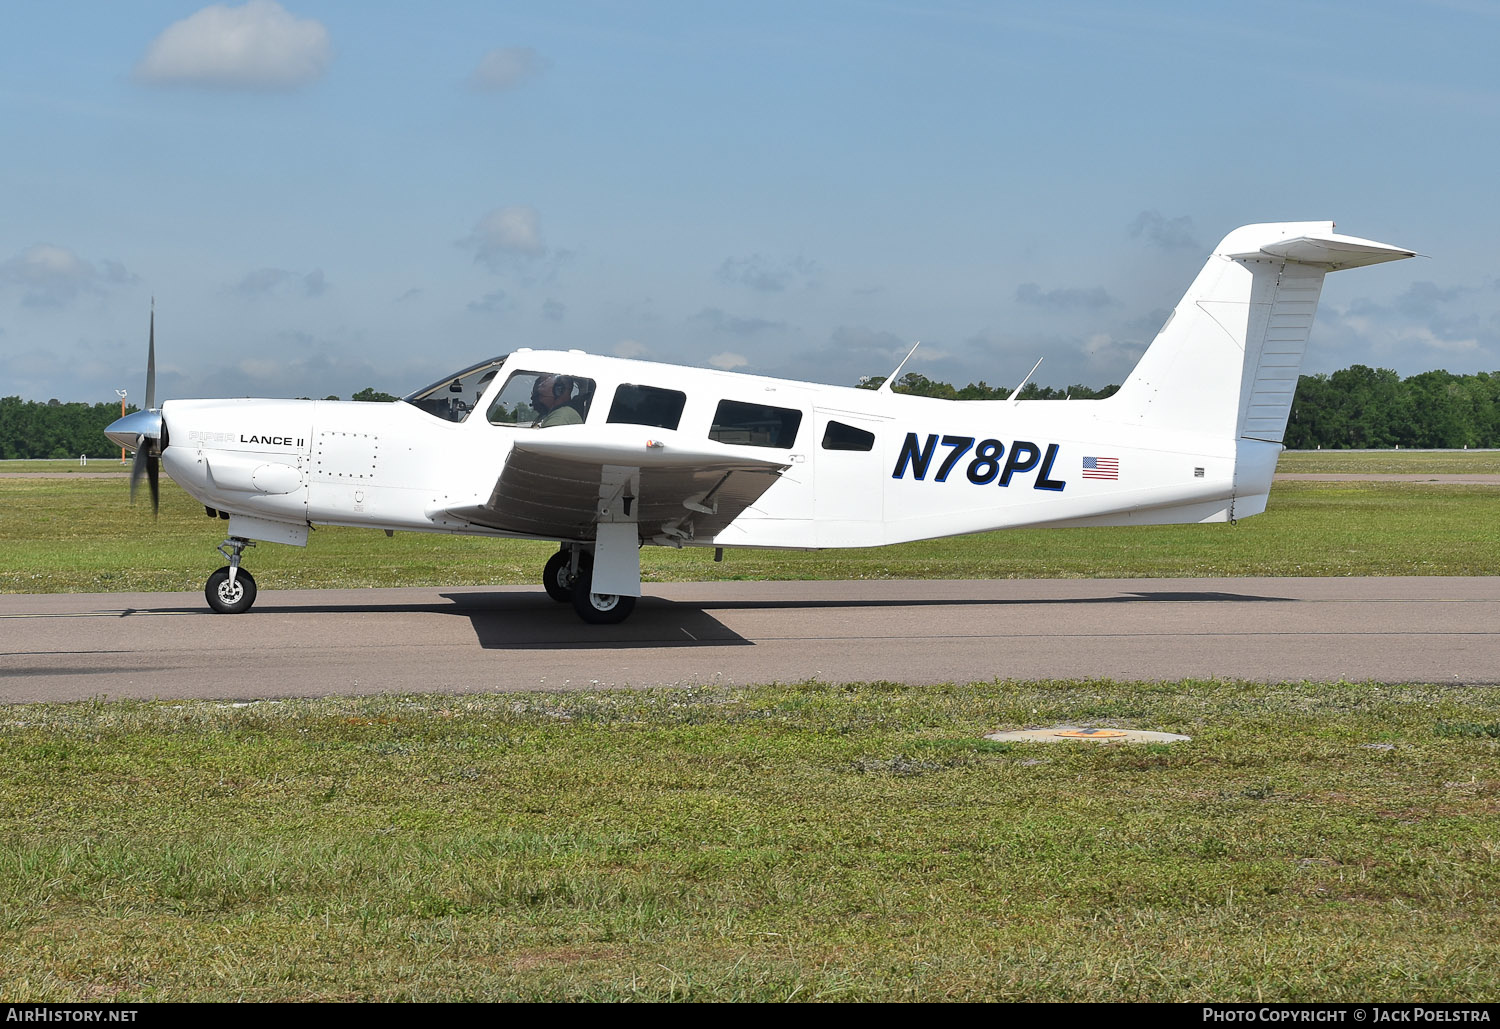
<point x="126" y="432"/>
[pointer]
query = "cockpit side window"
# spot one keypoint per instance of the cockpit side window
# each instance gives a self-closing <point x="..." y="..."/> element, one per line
<point x="453" y="398"/>
<point x="538" y="399"/>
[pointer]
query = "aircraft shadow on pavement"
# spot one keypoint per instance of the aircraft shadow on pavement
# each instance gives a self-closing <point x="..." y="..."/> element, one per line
<point x="509" y="621"/>
<point x="519" y="621"/>
<point x="527" y="621"/>
<point x="1125" y="598"/>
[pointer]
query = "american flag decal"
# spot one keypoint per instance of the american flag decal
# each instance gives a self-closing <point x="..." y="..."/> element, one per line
<point x="1101" y="467"/>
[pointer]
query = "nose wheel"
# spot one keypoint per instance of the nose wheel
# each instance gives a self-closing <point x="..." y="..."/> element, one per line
<point x="230" y="596"/>
<point x="231" y="590"/>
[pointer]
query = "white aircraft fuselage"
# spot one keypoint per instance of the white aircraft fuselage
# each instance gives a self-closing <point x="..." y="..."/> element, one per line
<point x="637" y="453"/>
<point x="934" y="467"/>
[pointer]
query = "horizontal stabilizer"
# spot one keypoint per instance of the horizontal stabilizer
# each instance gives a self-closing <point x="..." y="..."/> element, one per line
<point x="1330" y="252"/>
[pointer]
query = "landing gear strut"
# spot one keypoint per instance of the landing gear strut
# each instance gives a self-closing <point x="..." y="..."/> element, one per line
<point x="231" y="590"/>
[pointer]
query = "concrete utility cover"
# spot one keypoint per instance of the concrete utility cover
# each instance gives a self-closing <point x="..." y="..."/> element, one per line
<point x="1074" y="734"/>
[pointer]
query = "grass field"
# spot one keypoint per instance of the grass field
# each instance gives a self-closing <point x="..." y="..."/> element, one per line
<point x="81" y="535"/>
<point x="1328" y="842"/>
<point x="1382" y="462"/>
<point x="1312" y="842"/>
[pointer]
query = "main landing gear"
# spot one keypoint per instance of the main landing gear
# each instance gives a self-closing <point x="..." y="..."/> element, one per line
<point x="569" y="577"/>
<point x="231" y="590"/>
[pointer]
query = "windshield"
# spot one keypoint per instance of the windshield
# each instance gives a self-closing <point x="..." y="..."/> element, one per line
<point x="454" y="396"/>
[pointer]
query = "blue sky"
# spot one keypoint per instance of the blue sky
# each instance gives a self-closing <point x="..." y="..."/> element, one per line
<point x="324" y="196"/>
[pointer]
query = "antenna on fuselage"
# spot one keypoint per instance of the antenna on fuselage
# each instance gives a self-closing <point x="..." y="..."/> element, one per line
<point x="885" y="387"/>
<point x="1016" y="396"/>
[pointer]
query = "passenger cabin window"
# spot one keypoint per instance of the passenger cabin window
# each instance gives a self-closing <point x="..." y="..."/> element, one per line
<point x="838" y="436"/>
<point x="541" y="400"/>
<point x="647" y="405"/>
<point x="755" y="425"/>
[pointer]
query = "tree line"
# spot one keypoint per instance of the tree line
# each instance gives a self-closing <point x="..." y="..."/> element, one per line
<point x="1356" y="408"/>
<point x="32" y="429"/>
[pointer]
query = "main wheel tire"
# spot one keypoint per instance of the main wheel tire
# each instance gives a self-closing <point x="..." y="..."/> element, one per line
<point x="598" y="608"/>
<point x="557" y="576"/>
<point x="228" y="599"/>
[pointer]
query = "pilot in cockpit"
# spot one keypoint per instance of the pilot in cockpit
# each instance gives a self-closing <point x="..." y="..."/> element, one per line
<point x="552" y="396"/>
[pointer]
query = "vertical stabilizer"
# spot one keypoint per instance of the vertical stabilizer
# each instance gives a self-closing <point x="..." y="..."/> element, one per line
<point x="1226" y="363"/>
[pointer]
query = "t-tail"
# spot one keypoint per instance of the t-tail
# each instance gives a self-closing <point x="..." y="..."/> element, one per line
<point x="1225" y="365"/>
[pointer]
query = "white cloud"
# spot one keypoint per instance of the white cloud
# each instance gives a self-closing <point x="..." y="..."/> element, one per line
<point x="1424" y="337"/>
<point x="266" y="281"/>
<point x="505" y="233"/>
<point x="1066" y="299"/>
<point x="52" y="276"/>
<point x="728" y="361"/>
<point x="493" y="302"/>
<point x="630" y="348"/>
<point x="257" y="46"/>
<point x="1163" y="232"/>
<point x="769" y="276"/>
<point x="721" y="322"/>
<point x="506" y="68"/>
<point x="859" y="337"/>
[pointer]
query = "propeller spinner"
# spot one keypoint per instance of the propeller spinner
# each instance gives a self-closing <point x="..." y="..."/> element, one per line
<point x="143" y="431"/>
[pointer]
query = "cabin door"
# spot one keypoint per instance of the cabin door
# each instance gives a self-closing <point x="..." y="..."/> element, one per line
<point x="849" y="505"/>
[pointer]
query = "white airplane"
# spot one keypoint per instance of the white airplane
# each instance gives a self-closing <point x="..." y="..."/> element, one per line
<point x="605" y="455"/>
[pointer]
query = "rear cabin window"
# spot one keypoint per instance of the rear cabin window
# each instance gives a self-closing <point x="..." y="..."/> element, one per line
<point x="838" y="436"/>
<point x="647" y="405"/>
<point x="755" y="425"/>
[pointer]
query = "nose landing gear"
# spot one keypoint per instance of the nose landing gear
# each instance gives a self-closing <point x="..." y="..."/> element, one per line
<point x="231" y="590"/>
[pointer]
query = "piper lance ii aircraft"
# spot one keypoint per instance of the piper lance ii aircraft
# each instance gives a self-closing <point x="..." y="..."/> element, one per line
<point x="606" y="455"/>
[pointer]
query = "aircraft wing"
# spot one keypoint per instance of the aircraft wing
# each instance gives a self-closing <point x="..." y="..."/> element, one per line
<point x="559" y="483"/>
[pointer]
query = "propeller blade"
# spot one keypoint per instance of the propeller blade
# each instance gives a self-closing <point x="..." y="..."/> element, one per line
<point x="144" y="430"/>
<point x="150" y="404"/>
<point x="146" y="462"/>
<point x="138" y="465"/>
<point x="153" y="474"/>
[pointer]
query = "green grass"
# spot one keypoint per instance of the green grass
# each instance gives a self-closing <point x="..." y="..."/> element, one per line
<point x="1382" y="462"/>
<point x="81" y="535"/>
<point x="1315" y="842"/>
<point x="68" y="467"/>
<point x="1312" y="842"/>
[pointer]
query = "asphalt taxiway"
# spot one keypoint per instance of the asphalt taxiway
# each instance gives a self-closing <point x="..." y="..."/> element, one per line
<point x="323" y="642"/>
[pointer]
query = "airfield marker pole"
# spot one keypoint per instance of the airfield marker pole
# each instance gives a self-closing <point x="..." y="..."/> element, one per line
<point x="121" y="393"/>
